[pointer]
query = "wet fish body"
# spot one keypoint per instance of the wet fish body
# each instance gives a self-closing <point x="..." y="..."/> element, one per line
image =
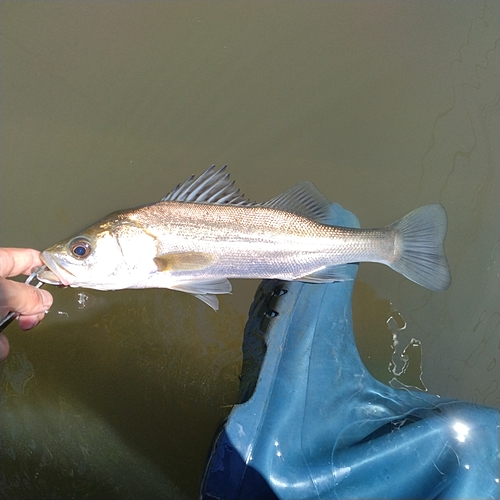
<point x="204" y="232"/>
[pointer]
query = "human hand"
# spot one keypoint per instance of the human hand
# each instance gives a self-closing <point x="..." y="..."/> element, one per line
<point x="28" y="301"/>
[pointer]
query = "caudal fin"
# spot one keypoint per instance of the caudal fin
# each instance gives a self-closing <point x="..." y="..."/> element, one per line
<point x="419" y="247"/>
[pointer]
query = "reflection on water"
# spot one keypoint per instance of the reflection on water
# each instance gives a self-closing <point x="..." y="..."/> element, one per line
<point x="15" y="375"/>
<point x="384" y="106"/>
<point x="82" y="300"/>
<point x="379" y="331"/>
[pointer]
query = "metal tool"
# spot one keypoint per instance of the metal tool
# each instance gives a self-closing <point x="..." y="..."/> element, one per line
<point x="10" y="317"/>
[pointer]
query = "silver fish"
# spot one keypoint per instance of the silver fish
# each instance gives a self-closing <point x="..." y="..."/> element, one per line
<point x="205" y="231"/>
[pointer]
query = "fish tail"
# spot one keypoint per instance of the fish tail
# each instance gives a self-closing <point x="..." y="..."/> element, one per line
<point x="419" y="252"/>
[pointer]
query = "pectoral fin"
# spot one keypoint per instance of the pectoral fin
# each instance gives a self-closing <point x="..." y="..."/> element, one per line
<point x="183" y="261"/>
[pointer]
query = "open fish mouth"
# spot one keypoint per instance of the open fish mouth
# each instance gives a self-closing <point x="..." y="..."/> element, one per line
<point x="54" y="273"/>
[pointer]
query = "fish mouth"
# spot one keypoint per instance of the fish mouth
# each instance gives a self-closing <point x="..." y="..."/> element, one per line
<point x="54" y="274"/>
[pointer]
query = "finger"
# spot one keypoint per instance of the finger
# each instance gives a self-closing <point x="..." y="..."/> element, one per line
<point x="29" y="322"/>
<point x="4" y="347"/>
<point x="15" y="261"/>
<point x="21" y="298"/>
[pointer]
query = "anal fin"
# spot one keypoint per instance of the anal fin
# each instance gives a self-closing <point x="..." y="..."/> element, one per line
<point x="341" y="272"/>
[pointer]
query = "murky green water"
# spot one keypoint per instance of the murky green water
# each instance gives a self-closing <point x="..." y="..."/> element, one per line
<point x="383" y="105"/>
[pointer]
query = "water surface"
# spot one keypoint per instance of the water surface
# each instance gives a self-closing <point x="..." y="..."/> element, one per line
<point x="385" y="106"/>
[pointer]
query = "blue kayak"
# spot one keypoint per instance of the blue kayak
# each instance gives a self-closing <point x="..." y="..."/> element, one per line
<point x="314" y="424"/>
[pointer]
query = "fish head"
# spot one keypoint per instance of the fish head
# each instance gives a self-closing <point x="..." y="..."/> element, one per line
<point x="108" y="255"/>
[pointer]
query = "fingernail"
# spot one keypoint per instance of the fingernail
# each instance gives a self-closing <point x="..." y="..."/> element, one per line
<point x="46" y="299"/>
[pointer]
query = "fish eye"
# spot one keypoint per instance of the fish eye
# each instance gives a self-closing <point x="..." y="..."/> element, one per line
<point x="80" y="248"/>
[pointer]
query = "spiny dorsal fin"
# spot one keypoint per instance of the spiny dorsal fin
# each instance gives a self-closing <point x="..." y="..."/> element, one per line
<point x="210" y="187"/>
<point x="303" y="199"/>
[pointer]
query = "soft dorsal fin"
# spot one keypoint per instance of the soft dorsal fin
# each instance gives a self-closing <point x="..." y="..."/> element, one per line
<point x="303" y="199"/>
<point x="210" y="187"/>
